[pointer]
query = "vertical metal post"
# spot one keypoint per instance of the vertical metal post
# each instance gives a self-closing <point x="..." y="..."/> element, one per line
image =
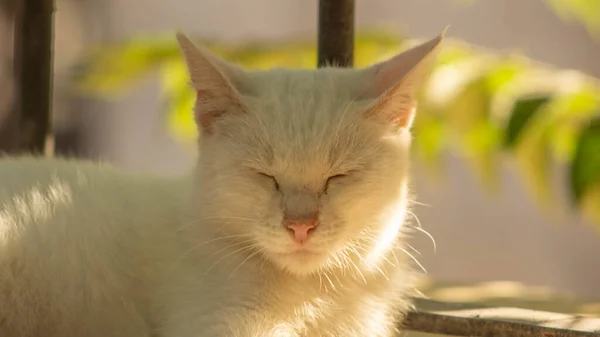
<point x="33" y="43"/>
<point x="336" y="33"/>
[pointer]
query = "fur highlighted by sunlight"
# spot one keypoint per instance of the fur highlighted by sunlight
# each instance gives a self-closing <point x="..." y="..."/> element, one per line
<point x="291" y="223"/>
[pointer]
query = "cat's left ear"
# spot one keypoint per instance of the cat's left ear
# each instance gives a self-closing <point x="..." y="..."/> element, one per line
<point x="214" y="81"/>
<point x="395" y="82"/>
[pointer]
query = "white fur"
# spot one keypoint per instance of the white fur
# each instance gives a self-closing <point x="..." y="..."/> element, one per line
<point x="87" y="250"/>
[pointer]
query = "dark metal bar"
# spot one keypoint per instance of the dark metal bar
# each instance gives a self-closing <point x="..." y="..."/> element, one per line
<point x="33" y="42"/>
<point x="336" y="33"/>
<point x="9" y="119"/>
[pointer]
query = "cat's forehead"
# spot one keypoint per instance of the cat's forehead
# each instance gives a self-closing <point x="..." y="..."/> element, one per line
<point x="300" y="88"/>
<point x="308" y="118"/>
<point x="305" y="99"/>
<point x="299" y="100"/>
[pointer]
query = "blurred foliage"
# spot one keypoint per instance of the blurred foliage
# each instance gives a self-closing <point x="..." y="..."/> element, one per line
<point x="477" y="103"/>
<point x="586" y="12"/>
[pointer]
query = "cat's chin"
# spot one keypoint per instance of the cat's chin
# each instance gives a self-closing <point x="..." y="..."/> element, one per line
<point x="302" y="262"/>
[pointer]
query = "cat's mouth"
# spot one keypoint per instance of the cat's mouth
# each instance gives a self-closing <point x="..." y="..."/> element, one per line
<point x="301" y="252"/>
<point x="297" y="258"/>
<point x="301" y="260"/>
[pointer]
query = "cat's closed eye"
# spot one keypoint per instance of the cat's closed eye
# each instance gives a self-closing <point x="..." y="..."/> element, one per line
<point x="270" y="177"/>
<point x="333" y="179"/>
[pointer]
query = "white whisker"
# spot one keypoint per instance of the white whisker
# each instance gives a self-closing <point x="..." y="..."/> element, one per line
<point x="320" y="280"/>
<point x="244" y="261"/>
<point x="371" y="264"/>
<point x="430" y="237"/>
<point x="414" y="259"/>
<point x="338" y="280"/>
<point x="231" y="246"/>
<point x="414" y="217"/>
<point x="328" y="279"/>
<point x="199" y="221"/>
<point x="250" y="246"/>
<point x="357" y="268"/>
<point x="196" y="246"/>
<point x="419" y="203"/>
<point x="228" y="218"/>
<point x="413" y="249"/>
<point x="390" y="262"/>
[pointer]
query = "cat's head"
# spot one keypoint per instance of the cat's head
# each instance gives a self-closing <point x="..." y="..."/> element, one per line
<point x="306" y="168"/>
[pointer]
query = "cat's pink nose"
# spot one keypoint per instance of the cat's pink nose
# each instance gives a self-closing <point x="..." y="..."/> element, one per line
<point x="301" y="229"/>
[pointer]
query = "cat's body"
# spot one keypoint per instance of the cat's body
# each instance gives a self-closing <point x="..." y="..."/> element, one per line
<point x="68" y="265"/>
<point x="86" y="274"/>
<point x="289" y="226"/>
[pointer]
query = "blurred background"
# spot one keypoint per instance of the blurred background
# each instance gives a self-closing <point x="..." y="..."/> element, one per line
<point x="506" y="169"/>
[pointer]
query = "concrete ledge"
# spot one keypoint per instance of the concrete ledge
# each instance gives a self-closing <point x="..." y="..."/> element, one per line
<point x="462" y="319"/>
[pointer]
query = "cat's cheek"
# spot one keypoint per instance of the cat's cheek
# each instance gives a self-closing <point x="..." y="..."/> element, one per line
<point x="358" y="205"/>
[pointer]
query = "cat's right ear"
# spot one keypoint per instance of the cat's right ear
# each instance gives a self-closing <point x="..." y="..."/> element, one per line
<point x="212" y="79"/>
<point x="393" y="84"/>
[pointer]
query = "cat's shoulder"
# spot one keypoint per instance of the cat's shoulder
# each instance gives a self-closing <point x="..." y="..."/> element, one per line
<point x="24" y="172"/>
<point x="39" y="193"/>
<point x="83" y="179"/>
<point x="33" y="166"/>
<point x="38" y="163"/>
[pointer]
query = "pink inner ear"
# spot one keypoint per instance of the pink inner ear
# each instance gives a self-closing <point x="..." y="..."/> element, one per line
<point x="396" y="106"/>
<point x="389" y="73"/>
<point x="386" y="76"/>
<point x="204" y="121"/>
<point x="205" y="109"/>
<point x="405" y="118"/>
<point x="212" y="105"/>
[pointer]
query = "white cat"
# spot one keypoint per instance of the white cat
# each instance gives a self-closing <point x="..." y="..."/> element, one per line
<point x="290" y="225"/>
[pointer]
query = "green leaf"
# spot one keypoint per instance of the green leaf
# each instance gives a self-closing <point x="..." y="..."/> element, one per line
<point x="585" y="169"/>
<point x="468" y="116"/>
<point x="504" y="73"/>
<point x="569" y="112"/>
<point x="179" y="98"/>
<point x="590" y="204"/>
<point x="111" y="70"/>
<point x="180" y="117"/>
<point x="584" y="11"/>
<point x="430" y="137"/>
<point x="532" y="151"/>
<point x="523" y="111"/>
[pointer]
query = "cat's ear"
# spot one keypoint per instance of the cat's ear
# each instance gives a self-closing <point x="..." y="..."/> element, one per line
<point x="212" y="79"/>
<point x="394" y="83"/>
